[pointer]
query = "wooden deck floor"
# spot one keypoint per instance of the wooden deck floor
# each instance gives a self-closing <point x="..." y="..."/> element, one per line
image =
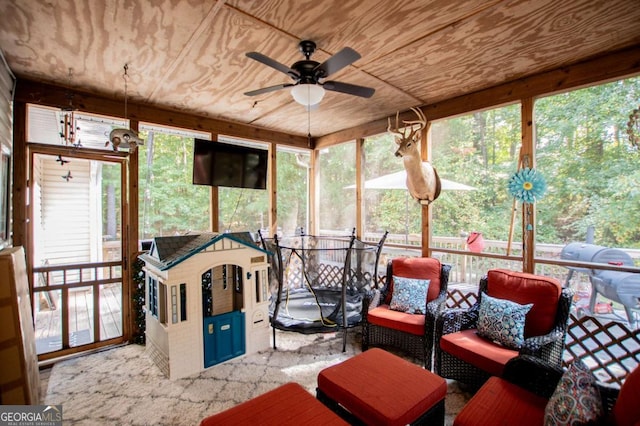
<point x="48" y="317"/>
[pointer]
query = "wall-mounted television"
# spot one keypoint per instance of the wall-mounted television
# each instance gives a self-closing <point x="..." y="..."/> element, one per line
<point x="222" y="164"/>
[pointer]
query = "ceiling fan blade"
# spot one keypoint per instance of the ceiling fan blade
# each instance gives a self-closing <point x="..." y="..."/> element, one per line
<point x="267" y="89"/>
<point x="272" y="63"/>
<point x="343" y="58"/>
<point x="351" y="89"/>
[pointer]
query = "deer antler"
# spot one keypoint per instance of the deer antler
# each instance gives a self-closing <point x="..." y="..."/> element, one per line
<point x="408" y="125"/>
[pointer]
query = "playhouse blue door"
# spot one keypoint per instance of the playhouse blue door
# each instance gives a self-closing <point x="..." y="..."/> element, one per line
<point x="224" y="337"/>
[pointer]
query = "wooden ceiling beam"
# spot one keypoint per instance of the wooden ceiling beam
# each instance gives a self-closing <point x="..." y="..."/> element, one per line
<point x="29" y="91"/>
<point x="613" y="66"/>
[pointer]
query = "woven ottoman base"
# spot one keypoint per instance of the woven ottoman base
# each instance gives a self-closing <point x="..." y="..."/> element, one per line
<point x="289" y="404"/>
<point x="379" y="388"/>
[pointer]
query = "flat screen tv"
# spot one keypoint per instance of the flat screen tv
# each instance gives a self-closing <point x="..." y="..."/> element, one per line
<point x="222" y="164"/>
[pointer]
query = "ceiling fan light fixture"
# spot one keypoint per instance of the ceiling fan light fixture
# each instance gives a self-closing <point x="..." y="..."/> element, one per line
<point x="307" y="94"/>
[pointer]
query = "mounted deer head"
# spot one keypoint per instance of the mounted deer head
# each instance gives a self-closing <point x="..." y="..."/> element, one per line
<point x="408" y="139"/>
<point x="422" y="179"/>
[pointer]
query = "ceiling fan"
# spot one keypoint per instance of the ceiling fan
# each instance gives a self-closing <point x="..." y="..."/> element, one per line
<point x="308" y="75"/>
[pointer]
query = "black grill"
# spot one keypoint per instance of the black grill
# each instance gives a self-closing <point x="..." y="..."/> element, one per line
<point x="621" y="287"/>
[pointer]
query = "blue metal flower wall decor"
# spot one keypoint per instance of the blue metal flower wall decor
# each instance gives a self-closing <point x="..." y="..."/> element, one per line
<point x="527" y="185"/>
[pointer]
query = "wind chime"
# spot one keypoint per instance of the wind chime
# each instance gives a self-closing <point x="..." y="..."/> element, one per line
<point x="69" y="128"/>
<point x="68" y="120"/>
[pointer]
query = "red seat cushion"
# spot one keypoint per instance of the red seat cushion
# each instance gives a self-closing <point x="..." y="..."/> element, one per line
<point x="523" y="288"/>
<point x="424" y="268"/>
<point x="289" y="404"/>
<point x="499" y="402"/>
<point x="475" y="350"/>
<point x="626" y="410"/>
<point x="386" y="317"/>
<point x="381" y="388"/>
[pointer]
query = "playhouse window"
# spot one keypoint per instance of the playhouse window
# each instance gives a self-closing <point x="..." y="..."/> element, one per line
<point x="183" y="302"/>
<point x="158" y="300"/>
<point x="153" y="297"/>
<point x="162" y="302"/>
<point x="174" y="305"/>
<point x="261" y="286"/>
<point x="182" y="307"/>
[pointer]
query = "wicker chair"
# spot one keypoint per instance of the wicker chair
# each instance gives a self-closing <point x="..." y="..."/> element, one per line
<point x="521" y="397"/>
<point x="461" y="354"/>
<point x="412" y="333"/>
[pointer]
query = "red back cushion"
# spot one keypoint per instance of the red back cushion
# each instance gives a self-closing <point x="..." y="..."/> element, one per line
<point x="626" y="410"/>
<point x="425" y="268"/>
<point x="523" y="288"/>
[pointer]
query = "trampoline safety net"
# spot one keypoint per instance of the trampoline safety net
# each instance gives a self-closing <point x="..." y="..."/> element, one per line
<point x="317" y="283"/>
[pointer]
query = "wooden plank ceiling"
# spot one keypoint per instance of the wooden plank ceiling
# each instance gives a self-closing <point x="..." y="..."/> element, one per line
<point x="190" y="55"/>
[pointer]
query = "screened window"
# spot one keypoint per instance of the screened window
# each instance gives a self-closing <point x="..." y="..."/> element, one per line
<point x="293" y="169"/>
<point x="337" y="211"/>
<point x="388" y="205"/>
<point x="243" y="209"/>
<point x="475" y="155"/>
<point x="591" y="170"/>
<point x="169" y="204"/>
<point x="54" y="126"/>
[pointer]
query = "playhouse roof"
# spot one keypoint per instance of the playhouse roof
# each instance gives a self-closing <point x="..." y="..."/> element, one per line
<point x="167" y="252"/>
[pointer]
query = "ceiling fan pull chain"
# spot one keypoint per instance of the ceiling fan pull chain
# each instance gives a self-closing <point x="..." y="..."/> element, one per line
<point x="309" y="126"/>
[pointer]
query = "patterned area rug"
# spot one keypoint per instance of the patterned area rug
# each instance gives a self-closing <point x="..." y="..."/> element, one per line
<point x="123" y="386"/>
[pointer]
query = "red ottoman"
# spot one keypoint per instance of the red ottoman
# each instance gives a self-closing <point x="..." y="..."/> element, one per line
<point x="379" y="388"/>
<point x="289" y="404"/>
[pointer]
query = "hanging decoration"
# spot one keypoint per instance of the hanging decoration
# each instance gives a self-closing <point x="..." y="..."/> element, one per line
<point x="633" y="128"/>
<point x="124" y="138"/>
<point x="527" y="185"/>
<point x="68" y="176"/>
<point x="68" y="120"/>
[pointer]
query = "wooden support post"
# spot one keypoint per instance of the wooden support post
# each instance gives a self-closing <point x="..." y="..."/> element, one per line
<point x="360" y="161"/>
<point x="528" y="210"/>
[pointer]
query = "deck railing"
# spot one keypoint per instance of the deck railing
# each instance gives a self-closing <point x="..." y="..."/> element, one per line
<point x="76" y="304"/>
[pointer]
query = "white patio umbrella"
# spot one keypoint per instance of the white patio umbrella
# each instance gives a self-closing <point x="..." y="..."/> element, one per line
<point x="398" y="180"/>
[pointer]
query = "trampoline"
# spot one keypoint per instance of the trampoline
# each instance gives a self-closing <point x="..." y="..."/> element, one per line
<point x="317" y="283"/>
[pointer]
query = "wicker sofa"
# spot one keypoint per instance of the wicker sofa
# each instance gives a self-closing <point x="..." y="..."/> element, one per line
<point x="522" y="396"/>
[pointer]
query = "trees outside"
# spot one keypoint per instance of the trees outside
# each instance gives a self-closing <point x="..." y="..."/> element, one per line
<point x="591" y="168"/>
<point x="169" y="204"/>
<point x="293" y="169"/>
<point x="582" y="149"/>
<point x="337" y="203"/>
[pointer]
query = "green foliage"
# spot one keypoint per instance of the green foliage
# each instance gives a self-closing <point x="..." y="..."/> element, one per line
<point x="590" y="167"/>
<point x="582" y="150"/>
<point x="337" y="202"/>
<point x="169" y="203"/>
<point x="292" y="177"/>
<point x="137" y="299"/>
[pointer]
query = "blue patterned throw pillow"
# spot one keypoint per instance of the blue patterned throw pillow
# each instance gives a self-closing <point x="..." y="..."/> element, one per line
<point x="502" y="321"/>
<point x="409" y="295"/>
